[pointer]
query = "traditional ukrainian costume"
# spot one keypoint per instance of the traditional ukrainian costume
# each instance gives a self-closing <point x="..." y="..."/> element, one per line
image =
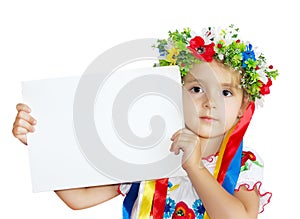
<point x="176" y="198"/>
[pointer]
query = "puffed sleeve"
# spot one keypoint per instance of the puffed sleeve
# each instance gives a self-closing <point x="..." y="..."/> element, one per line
<point x="124" y="188"/>
<point x="251" y="176"/>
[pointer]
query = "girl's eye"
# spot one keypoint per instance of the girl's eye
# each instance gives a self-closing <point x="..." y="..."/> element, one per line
<point x="226" y="93"/>
<point x="197" y="90"/>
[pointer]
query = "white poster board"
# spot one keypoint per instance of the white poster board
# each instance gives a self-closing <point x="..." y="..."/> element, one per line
<point x="79" y="143"/>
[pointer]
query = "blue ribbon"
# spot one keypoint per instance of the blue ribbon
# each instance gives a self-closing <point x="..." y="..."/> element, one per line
<point x="130" y="199"/>
<point x="233" y="171"/>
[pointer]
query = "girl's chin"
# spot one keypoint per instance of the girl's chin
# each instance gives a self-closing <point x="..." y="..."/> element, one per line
<point x="205" y="132"/>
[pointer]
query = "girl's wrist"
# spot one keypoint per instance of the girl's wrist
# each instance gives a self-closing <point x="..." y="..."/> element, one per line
<point x="193" y="168"/>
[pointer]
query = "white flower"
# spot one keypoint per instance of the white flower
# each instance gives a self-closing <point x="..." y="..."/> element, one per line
<point x="221" y="56"/>
<point x="257" y="52"/>
<point x="210" y="35"/>
<point x="262" y="75"/>
<point x="227" y="35"/>
<point x="259" y="102"/>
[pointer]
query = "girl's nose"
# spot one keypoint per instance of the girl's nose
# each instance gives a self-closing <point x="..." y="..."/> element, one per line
<point x="209" y="102"/>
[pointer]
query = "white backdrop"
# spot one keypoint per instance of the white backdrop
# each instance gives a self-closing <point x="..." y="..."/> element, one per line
<point x="42" y="39"/>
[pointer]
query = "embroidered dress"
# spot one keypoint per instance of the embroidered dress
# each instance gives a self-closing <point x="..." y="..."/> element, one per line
<point x="182" y="199"/>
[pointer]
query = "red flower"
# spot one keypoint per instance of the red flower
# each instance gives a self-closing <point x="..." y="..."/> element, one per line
<point x="265" y="88"/>
<point x="246" y="156"/>
<point x="182" y="211"/>
<point x="201" y="51"/>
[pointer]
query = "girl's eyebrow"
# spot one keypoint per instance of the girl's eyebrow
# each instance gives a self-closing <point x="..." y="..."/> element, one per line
<point x="231" y="85"/>
<point x="224" y="84"/>
<point x="192" y="80"/>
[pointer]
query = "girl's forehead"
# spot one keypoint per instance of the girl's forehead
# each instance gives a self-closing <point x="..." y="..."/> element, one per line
<point x="213" y="73"/>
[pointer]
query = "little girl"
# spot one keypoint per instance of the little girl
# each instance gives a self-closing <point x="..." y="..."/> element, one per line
<point x="222" y="79"/>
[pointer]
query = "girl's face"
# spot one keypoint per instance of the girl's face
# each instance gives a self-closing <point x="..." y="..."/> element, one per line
<point x="212" y="99"/>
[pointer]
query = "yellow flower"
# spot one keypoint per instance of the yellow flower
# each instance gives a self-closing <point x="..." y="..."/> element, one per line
<point x="222" y="42"/>
<point x="171" y="57"/>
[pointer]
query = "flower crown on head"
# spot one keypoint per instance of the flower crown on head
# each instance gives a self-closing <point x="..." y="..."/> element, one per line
<point x="184" y="50"/>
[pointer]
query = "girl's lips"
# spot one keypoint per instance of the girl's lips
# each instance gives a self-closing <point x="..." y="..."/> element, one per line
<point x="208" y="118"/>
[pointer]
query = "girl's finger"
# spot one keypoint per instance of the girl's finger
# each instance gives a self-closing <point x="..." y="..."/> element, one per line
<point x="24" y="124"/>
<point x="184" y="137"/>
<point x="175" y="134"/>
<point x="180" y="144"/>
<point x="23" y="107"/>
<point x="180" y="131"/>
<point x="22" y="115"/>
<point x="19" y="131"/>
<point x="174" y="148"/>
<point x="22" y="138"/>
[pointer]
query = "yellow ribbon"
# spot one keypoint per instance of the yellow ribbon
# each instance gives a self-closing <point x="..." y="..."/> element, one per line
<point x="221" y="153"/>
<point x="205" y="216"/>
<point x="219" y="161"/>
<point x="146" y="204"/>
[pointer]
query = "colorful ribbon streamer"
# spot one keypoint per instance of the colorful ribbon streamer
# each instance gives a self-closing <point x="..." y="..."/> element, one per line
<point x="153" y="200"/>
<point x="228" y="165"/>
<point x="130" y="199"/>
<point x="233" y="144"/>
<point x="147" y="200"/>
<point x="159" y="200"/>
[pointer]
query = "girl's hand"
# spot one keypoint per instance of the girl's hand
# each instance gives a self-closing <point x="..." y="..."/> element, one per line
<point x="24" y="123"/>
<point x="189" y="143"/>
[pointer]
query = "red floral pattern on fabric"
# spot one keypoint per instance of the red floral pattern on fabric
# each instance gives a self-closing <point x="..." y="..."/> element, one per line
<point x="182" y="211"/>
<point x="247" y="155"/>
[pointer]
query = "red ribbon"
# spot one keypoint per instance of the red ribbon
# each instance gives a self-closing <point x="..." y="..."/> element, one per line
<point x="235" y="140"/>
<point x="159" y="199"/>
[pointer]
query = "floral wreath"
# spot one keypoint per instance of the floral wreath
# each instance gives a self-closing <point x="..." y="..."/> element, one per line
<point x="221" y="44"/>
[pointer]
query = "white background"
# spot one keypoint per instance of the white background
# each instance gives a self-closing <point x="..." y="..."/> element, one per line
<point x="42" y="39"/>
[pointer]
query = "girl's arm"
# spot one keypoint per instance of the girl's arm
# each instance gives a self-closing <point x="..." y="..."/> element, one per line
<point x="218" y="202"/>
<point x="82" y="198"/>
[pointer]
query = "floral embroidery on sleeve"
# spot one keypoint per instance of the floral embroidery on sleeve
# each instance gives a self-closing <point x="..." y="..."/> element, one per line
<point x="248" y="155"/>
